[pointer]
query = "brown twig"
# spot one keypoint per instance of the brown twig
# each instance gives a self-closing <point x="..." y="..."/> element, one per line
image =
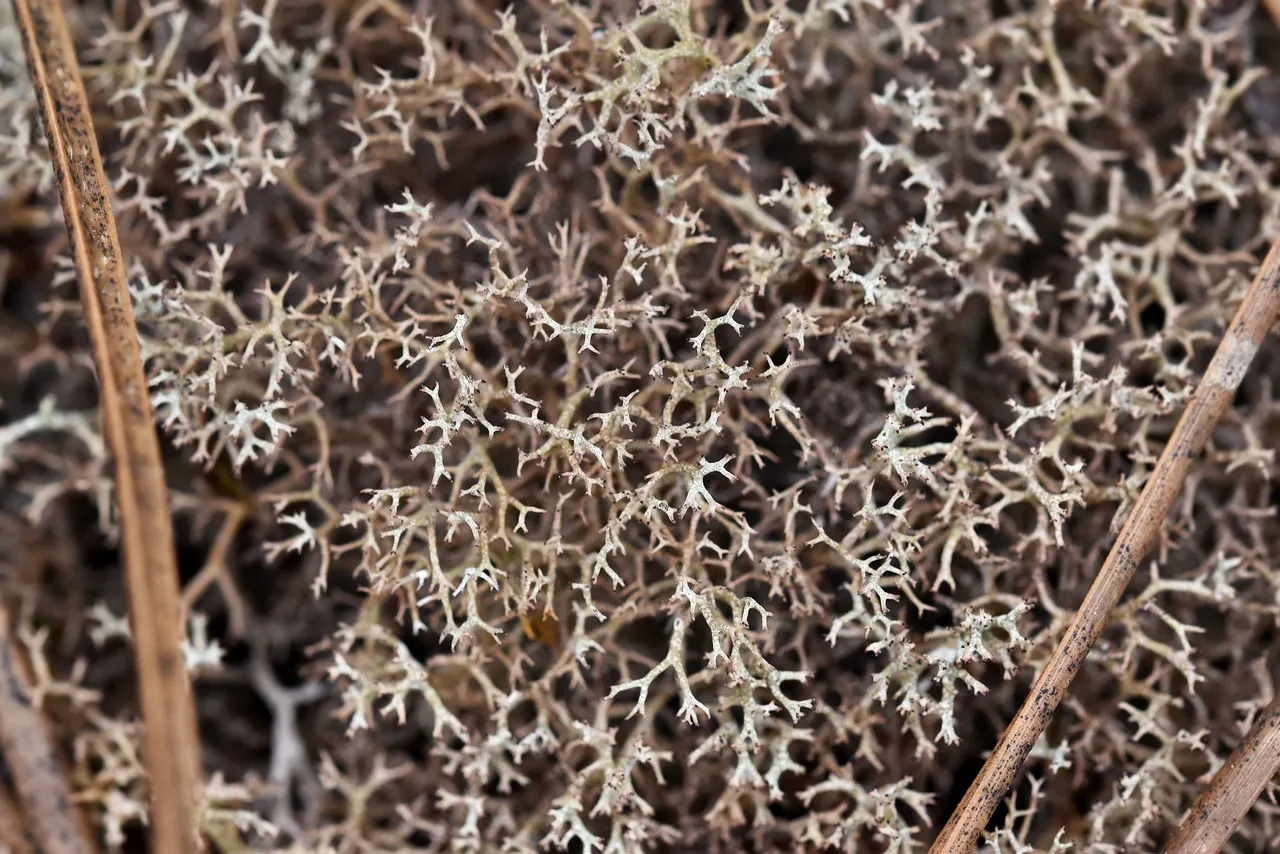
<point x="1211" y="399"/>
<point x="172" y="747"/>
<point x="38" y="778"/>
<point x="1234" y="789"/>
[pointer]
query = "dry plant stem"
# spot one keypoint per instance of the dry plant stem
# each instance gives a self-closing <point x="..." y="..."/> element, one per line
<point x="46" y="810"/>
<point x="1211" y="399"/>
<point x="1234" y="789"/>
<point x="172" y="747"/>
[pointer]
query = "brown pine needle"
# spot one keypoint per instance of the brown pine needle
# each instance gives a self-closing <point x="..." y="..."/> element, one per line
<point x="1230" y="363"/>
<point x="1234" y="789"/>
<point x="171" y="744"/>
<point x="46" y="814"/>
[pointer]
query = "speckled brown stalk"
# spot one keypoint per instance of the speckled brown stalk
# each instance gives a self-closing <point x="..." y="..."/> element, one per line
<point x="146" y="532"/>
<point x="1211" y="398"/>
<point x="1215" y="815"/>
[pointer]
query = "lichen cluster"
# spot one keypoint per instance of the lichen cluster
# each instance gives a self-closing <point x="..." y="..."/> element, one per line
<point x="601" y="426"/>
